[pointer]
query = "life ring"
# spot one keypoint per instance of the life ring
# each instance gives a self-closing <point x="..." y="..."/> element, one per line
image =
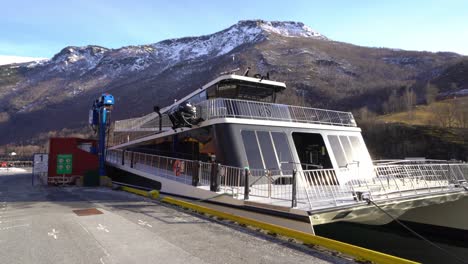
<point x="178" y="167"/>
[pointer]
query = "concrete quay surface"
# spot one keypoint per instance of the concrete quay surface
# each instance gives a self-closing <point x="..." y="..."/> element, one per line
<point x="38" y="225"/>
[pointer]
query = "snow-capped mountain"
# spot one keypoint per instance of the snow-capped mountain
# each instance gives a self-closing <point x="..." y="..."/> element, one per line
<point x="136" y="58"/>
<point x="57" y="93"/>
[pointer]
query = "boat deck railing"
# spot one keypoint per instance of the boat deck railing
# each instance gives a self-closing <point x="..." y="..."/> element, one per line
<point x="235" y="108"/>
<point x="302" y="189"/>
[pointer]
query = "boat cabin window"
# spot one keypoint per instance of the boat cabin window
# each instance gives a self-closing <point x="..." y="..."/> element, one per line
<point x="243" y="91"/>
<point x="198" y="98"/>
<point x="348" y="150"/>
<point x="267" y="150"/>
<point x="337" y="151"/>
<point x="254" y="157"/>
<point x="312" y="151"/>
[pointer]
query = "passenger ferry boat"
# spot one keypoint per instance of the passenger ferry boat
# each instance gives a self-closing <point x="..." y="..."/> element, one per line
<point x="230" y="142"/>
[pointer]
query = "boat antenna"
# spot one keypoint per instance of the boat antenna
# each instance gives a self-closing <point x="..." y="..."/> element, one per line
<point x="246" y="73"/>
<point x="230" y="71"/>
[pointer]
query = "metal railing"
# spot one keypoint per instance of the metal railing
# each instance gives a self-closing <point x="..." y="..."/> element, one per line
<point x="390" y="181"/>
<point x="134" y="123"/>
<point x="16" y="163"/>
<point x="221" y="107"/>
<point x="118" y="138"/>
<point x="304" y="189"/>
<point x="417" y="178"/>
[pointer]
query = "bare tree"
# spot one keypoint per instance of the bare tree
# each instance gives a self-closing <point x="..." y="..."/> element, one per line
<point x="461" y="113"/>
<point x="392" y="104"/>
<point x="365" y="115"/>
<point x="409" y="98"/>
<point x="445" y="114"/>
<point x="431" y="93"/>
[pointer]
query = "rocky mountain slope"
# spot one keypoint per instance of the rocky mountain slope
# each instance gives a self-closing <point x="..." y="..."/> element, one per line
<point x="54" y="94"/>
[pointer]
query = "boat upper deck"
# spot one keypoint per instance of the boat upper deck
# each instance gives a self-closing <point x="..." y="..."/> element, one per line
<point x="236" y="108"/>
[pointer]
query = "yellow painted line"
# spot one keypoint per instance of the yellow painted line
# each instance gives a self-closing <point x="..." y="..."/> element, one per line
<point x="359" y="252"/>
<point x="154" y="194"/>
<point x="355" y="251"/>
<point x="135" y="191"/>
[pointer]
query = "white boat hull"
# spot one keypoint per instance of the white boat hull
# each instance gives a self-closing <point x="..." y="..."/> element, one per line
<point x="371" y="215"/>
<point x="451" y="215"/>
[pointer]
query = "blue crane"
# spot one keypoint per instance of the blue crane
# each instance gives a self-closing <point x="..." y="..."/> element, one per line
<point x="99" y="120"/>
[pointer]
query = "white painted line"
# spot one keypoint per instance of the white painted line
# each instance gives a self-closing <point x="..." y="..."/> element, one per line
<point x="97" y="242"/>
<point x="12" y="215"/>
<point x="53" y="233"/>
<point x="103" y="228"/>
<point x="8" y="221"/>
<point x="144" y="223"/>
<point x="11" y="227"/>
<point x="84" y="228"/>
<point x="102" y="261"/>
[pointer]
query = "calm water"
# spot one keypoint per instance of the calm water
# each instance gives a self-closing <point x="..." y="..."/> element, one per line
<point x="395" y="240"/>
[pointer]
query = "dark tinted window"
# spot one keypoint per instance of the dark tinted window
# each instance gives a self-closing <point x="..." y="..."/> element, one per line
<point x="283" y="150"/>
<point x="251" y="148"/>
<point x="197" y="98"/>
<point x="268" y="152"/>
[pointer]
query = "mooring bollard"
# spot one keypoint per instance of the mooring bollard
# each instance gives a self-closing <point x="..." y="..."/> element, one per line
<point x="294" y="190"/>
<point x="246" y="184"/>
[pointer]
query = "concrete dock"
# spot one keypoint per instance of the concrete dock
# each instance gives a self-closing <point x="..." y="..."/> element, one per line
<point x="38" y="225"/>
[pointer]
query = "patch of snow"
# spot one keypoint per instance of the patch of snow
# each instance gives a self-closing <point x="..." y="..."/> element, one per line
<point x="290" y="29"/>
<point x="78" y="58"/>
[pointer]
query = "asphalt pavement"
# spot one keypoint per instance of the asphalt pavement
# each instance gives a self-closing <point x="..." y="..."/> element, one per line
<point x="38" y="225"/>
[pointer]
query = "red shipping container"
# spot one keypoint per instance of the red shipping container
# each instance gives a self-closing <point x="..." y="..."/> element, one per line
<point x="83" y="160"/>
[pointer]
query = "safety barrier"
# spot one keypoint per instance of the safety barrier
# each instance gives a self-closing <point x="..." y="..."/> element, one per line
<point x="236" y="108"/>
<point x="303" y="189"/>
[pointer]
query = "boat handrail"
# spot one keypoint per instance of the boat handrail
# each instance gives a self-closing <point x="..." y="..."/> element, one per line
<point x="414" y="161"/>
<point x="237" y="108"/>
<point x="318" y="188"/>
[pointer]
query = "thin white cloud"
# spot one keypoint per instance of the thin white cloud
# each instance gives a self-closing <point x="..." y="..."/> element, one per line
<point x="5" y="59"/>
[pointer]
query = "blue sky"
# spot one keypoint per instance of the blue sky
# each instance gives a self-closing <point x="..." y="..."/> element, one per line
<point x="42" y="28"/>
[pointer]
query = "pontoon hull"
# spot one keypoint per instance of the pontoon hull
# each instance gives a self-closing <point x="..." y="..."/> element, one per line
<point x="371" y="215"/>
<point x="449" y="215"/>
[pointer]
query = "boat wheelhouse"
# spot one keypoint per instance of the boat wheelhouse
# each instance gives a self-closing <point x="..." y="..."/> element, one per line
<point x="231" y="137"/>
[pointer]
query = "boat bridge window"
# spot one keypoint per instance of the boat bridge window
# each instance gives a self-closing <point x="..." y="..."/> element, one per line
<point x="244" y="91"/>
<point x="198" y="98"/>
<point x="312" y="151"/>
<point x="347" y="150"/>
<point x="267" y="150"/>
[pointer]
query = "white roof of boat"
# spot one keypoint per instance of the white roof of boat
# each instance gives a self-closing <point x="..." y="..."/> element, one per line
<point x="226" y="77"/>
